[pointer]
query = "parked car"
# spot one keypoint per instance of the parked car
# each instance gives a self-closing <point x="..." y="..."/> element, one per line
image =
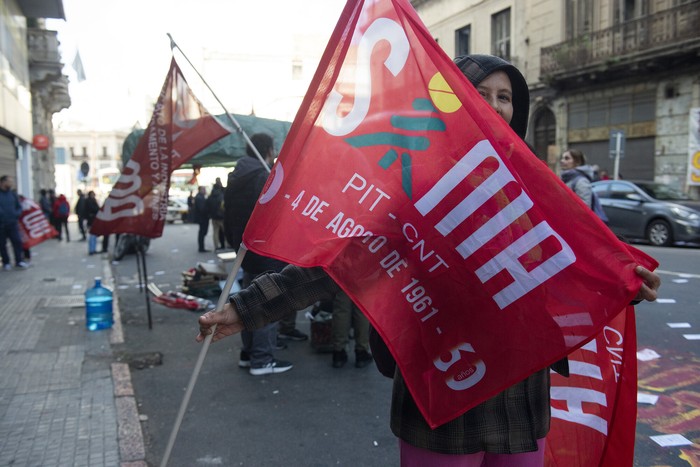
<point x="651" y="211"/>
<point x="177" y="210"/>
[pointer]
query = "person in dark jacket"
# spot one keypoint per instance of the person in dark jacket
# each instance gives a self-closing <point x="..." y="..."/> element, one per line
<point x="80" y="212"/>
<point x="201" y="217"/>
<point x="243" y="188"/>
<point x="10" y="212"/>
<point x="215" y="203"/>
<point x="509" y="428"/>
<point x="92" y="207"/>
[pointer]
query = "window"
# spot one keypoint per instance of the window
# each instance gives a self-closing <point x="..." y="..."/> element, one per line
<point x="60" y="155"/>
<point x="104" y="152"/>
<point x="297" y="69"/>
<point x="84" y="151"/>
<point x="462" y="37"/>
<point x="500" y="34"/>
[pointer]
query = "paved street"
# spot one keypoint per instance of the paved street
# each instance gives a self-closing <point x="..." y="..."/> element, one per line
<point x="72" y="397"/>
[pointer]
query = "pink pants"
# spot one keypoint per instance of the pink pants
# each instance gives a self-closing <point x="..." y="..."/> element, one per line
<point x="412" y="456"/>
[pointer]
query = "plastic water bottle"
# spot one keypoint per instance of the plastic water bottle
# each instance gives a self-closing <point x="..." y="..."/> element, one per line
<point x="98" y="307"/>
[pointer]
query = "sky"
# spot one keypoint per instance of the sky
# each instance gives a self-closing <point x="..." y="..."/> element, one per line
<point x="243" y="49"/>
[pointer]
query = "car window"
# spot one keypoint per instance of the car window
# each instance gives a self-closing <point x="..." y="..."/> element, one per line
<point x="620" y="190"/>
<point x="601" y="189"/>
<point x="663" y="192"/>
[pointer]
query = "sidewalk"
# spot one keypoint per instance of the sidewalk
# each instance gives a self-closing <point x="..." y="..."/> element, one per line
<point x="63" y="401"/>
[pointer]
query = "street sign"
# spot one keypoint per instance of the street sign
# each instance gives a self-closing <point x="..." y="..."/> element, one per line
<point x="617" y="144"/>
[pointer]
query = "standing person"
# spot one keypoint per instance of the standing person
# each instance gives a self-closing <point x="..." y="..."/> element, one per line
<point x="243" y="188"/>
<point x="509" y="428"/>
<point x="577" y="174"/>
<point x="347" y="315"/>
<point x="80" y="212"/>
<point x="92" y="207"/>
<point x="215" y="209"/>
<point x="10" y="211"/>
<point x="190" y="207"/>
<point x="45" y="203"/>
<point x="201" y="217"/>
<point x="61" y="211"/>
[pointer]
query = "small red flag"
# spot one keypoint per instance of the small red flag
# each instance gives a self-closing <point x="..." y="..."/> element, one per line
<point x="179" y="128"/>
<point x="594" y="410"/>
<point x="34" y="227"/>
<point x="434" y="216"/>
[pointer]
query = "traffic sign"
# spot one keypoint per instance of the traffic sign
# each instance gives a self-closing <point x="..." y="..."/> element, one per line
<point x="617" y="144"/>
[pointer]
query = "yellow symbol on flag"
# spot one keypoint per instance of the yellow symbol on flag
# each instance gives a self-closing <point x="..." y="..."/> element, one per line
<point x="442" y="95"/>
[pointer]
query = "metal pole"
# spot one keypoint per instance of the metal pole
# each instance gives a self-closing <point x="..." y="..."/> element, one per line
<point x="234" y="122"/>
<point x="141" y="252"/>
<point x="618" y="141"/>
<point x="202" y="353"/>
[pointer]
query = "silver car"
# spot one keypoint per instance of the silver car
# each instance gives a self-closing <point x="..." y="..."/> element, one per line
<point x="651" y="211"/>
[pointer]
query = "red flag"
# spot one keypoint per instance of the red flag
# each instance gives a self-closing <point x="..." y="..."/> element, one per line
<point x="597" y="405"/>
<point x="180" y="127"/>
<point x="34" y="227"/>
<point x="428" y="210"/>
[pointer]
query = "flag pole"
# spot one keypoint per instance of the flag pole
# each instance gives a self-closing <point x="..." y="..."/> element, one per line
<point x="230" y="116"/>
<point x="223" y="298"/>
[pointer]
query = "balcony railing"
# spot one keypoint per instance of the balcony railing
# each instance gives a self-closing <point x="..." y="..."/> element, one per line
<point x="669" y="29"/>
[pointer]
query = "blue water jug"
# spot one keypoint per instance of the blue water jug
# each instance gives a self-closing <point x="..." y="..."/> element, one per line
<point x="98" y="307"/>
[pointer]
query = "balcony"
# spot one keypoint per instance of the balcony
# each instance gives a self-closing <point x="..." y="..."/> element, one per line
<point x="653" y="42"/>
<point x="45" y="70"/>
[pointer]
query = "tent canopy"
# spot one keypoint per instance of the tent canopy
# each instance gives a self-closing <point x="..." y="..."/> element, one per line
<point x="226" y="151"/>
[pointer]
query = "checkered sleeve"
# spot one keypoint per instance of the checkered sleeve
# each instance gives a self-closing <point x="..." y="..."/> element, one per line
<point x="270" y="296"/>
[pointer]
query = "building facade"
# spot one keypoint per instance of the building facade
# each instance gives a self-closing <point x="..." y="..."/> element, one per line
<point x="87" y="160"/>
<point x="593" y="67"/>
<point x="32" y="89"/>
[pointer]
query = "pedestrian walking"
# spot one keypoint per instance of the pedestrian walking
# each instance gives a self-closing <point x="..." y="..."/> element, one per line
<point x="61" y="211"/>
<point x="80" y="212"/>
<point x="10" y="211"/>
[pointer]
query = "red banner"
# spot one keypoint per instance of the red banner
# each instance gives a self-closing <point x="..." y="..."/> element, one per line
<point x="475" y="263"/>
<point x="596" y="406"/>
<point x="179" y="129"/>
<point x="34" y="227"/>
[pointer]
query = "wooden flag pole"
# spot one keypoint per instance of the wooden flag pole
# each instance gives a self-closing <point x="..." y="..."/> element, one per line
<point x="223" y="298"/>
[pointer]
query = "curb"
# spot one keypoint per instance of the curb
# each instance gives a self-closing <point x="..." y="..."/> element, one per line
<point x="132" y="451"/>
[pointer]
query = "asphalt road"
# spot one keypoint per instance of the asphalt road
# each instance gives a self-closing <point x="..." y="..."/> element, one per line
<point x="315" y="415"/>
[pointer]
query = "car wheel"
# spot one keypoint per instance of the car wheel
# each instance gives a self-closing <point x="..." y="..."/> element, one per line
<point x="121" y="247"/>
<point x="659" y="233"/>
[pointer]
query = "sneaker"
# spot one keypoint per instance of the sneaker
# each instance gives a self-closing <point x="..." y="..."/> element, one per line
<point x="280" y="346"/>
<point x="244" y="360"/>
<point x="293" y="335"/>
<point x="362" y="358"/>
<point x="22" y="265"/>
<point x="275" y="366"/>
<point x="340" y="358"/>
<point x="7" y="267"/>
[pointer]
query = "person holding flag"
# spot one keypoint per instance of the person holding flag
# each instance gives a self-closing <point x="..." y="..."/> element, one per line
<point x="507" y="429"/>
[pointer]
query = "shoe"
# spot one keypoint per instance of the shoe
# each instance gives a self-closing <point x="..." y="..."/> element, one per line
<point x="22" y="265"/>
<point x="7" y="267"/>
<point x="280" y="346"/>
<point x="244" y="359"/>
<point x="362" y="358"/>
<point x="293" y="335"/>
<point x="203" y="250"/>
<point x="275" y="366"/>
<point x="340" y="358"/>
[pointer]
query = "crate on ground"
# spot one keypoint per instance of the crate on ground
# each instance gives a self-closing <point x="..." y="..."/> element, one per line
<point x="321" y="329"/>
<point x="203" y="280"/>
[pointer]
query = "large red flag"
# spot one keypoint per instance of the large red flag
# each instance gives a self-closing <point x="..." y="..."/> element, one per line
<point x="475" y="263"/>
<point x="179" y="128"/>
<point x="594" y="411"/>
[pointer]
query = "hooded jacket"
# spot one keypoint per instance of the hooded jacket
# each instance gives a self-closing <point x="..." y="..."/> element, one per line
<point x="579" y="180"/>
<point x="477" y="67"/>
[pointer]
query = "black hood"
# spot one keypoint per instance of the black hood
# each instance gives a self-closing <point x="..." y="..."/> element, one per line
<point x="477" y="67"/>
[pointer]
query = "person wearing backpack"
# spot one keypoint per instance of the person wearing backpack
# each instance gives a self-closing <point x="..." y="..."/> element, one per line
<point x="61" y="211"/>
<point x="578" y="176"/>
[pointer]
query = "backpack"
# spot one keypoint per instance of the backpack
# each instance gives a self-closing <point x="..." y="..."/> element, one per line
<point x="597" y="207"/>
<point x="63" y="209"/>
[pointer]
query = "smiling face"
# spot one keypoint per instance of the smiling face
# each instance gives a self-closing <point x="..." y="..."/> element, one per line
<point x="498" y="93"/>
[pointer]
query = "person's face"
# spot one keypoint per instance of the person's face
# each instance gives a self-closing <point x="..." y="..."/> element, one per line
<point x="566" y="162"/>
<point x="498" y="93"/>
<point x="7" y="184"/>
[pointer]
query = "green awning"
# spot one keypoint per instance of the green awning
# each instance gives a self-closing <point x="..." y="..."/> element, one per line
<point x="226" y="151"/>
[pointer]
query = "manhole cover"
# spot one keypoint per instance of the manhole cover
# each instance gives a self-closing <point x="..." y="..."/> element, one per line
<point x="62" y="301"/>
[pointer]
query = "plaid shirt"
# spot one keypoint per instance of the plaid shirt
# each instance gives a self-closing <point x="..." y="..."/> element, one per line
<point x="510" y="422"/>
